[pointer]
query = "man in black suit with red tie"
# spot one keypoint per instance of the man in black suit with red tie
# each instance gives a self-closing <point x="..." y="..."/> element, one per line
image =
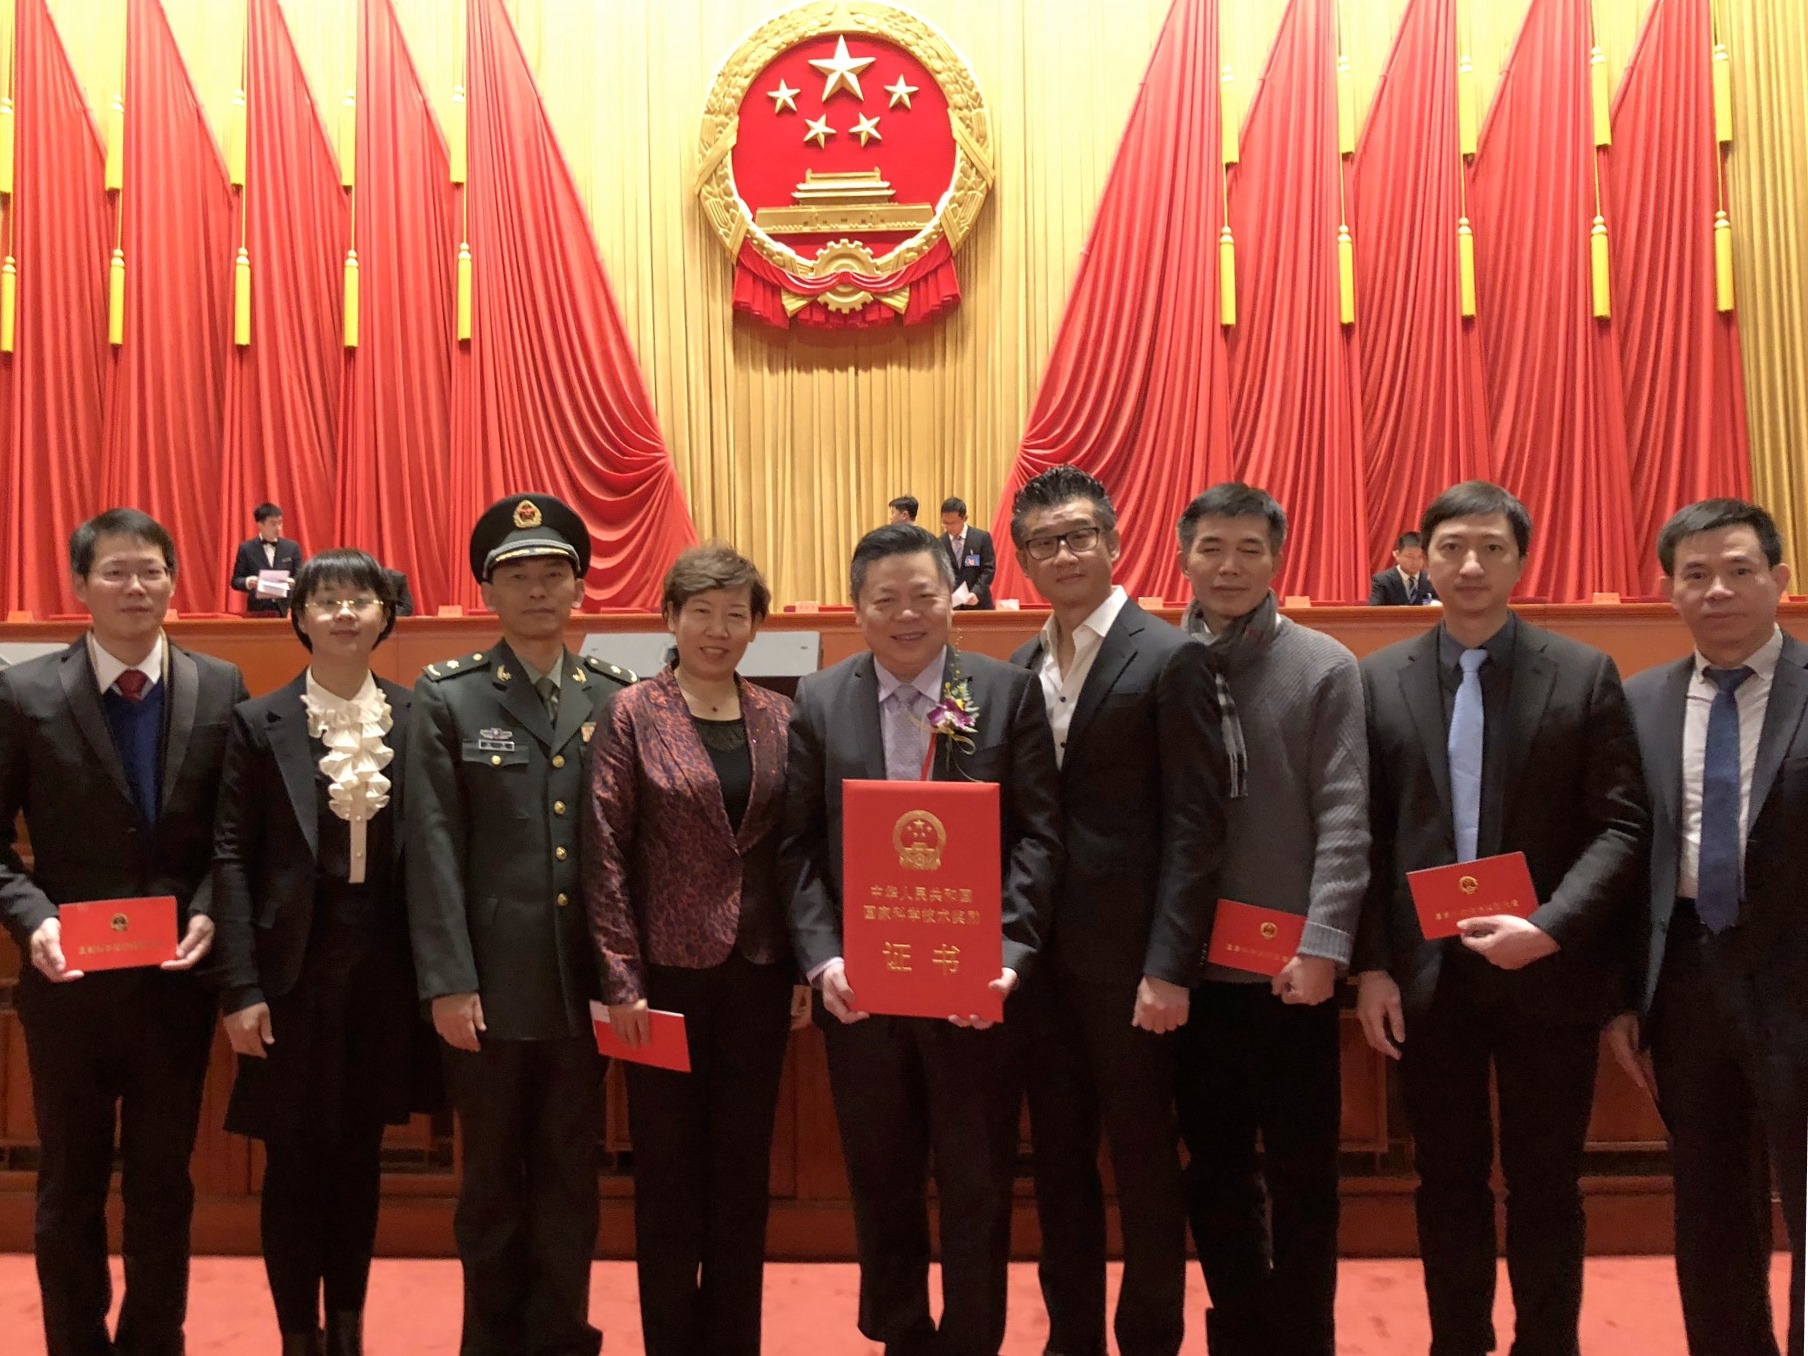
<point x="113" y="750"/>
<point x="1489" y="736"/>
<point x="1722" y="996"/>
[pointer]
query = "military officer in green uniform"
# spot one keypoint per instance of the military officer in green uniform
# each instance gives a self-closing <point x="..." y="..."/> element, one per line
<point x="496" y="746"/>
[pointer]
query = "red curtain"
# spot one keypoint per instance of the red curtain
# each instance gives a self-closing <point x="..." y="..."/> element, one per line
<point x="1424" y="414"/>
<point x="1685" y="397"/>
<point x="1136" y="387"/>
<point x="61" y="228"/>
<point x="1554" y="392"/>
<point x="282" y="413"/>
<point x="166" y="393"/>
<point x="399" y="495"/>
<point x="548" y="395"/>
<point x="1295" y="414"/>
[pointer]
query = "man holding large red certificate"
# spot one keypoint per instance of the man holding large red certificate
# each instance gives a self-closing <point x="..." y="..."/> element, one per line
<point x="914" y="710"/>
<point x="113" y="750"/>
<point x="1490" y="738"/>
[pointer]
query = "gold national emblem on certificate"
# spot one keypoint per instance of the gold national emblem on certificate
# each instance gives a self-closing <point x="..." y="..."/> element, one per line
<point x="919" y="838"/>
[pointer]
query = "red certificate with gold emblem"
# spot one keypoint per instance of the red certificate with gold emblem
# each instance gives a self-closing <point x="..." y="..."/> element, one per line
<point x="1446" y="895"/>
<point x="669" y="1047"/>
<point x="1246" y="937"/>
<point x="117" y="934"/>
<point x="921" y="931"/>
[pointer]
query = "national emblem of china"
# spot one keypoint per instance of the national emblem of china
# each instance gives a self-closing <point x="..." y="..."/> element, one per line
<point x="845" y="154"/>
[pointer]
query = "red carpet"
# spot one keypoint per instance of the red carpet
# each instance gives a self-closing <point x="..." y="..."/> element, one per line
<point x="1630" y="1309"/>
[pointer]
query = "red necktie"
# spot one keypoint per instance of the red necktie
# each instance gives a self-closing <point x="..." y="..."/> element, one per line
<point x="131" y="684"/>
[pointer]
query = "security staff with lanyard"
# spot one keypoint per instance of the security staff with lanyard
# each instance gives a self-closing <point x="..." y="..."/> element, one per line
<point x="496" y="747"/>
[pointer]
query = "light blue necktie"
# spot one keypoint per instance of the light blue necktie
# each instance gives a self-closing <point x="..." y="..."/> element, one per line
<point x="1464" y="746"/>
<point x="906" y="736"/>
<point x="1717" y="867"/>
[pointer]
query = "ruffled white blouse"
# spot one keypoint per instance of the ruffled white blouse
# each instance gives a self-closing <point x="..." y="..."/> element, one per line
<point x="355" y="756"/>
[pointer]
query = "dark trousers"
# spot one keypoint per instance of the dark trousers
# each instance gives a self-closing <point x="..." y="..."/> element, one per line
<point x="1252" y="1066"/>
<point x="702" y="1158"/>
<point x="907" y="1089"/>
<point x="1729" y="1102"/>
<point x="319" y="1223"/>
<point x="134" y="1043"/>
<point x="530" y="1113"/>
<point x="1545" y="1077"/>
<point x="1084" y="1067"/>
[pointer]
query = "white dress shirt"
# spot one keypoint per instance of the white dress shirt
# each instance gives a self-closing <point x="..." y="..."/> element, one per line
<point x="107" y="669"/>
<point x="1061" y="691"/>
<point x="270" y="553"/>
<point x="1753" y="696"/>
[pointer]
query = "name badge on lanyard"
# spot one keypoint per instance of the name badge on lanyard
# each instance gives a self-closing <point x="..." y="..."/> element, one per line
<point x="972" y="560"/>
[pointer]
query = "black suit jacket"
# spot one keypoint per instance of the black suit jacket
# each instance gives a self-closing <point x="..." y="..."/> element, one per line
<point x="58" y="766"/>
<point x="835" y="735"/>
<point x="1766" y="954"/>
<point x="1572" y="800"/>
<point x="1388" y="589"/>
<point x="250" y="560"/>
<point x="978" y="577"/>
<point x="266" y="842"/>
<point x="1142" y="804"/>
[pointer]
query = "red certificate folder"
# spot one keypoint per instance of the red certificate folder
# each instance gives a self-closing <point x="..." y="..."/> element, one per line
<point x="1446" y="895"/>
<point x="117" y="934"/>
<point x="920" y="927"/>
<point x="1246" y="937"/>
<point x="670" y="1047"/>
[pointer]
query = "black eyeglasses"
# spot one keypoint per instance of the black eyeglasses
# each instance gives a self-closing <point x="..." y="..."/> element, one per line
<point x="1079" y="541"/>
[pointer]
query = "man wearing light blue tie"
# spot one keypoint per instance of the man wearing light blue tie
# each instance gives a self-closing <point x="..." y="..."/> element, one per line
<point x="1490" y="736"/>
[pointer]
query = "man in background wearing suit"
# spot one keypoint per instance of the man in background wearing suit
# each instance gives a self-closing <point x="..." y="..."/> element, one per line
<point x="1490" y="736"/>
<point x="268" y="550"/>
<point x="1405" y="585"/>
<point x="1722" y="996"/>
<point x="502" y="951"/>
<point x="1135" y="717"/>
<point x="113" y="751"/>
<point x="969" y="550"/>
<point x="907" y="1088"/>
<point x="903" y="509"/>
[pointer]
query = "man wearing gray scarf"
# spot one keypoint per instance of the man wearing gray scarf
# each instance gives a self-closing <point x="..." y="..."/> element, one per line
<point x="1260" y="1056"/>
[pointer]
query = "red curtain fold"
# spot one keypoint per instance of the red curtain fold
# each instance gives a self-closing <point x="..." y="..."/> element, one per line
<point x="549" y="395"/>
<point x="1424" y="412"/>
<point x="399" y="494"/>
<point x="1294" y="403"/>
<point x="1136" y="388"/>
<point x="167" y="389"/>
<point x="1553" y="371"/>
<point x="61" y="236"/>
<point x="282" y="418"/>
<point x="1685" y="396"/>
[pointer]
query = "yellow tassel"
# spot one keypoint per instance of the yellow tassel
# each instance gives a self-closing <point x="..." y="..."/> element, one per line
<point x="348" y="139"/>
<point x="6" y="147"/>
<point x="235" y="139"/>
<point x="1227" y="278"/>
<point x="1466" y="119"/>
<point x="351" y="298"/>
<point x="1346" y="276"/>
<point x="456" y="134"/>
<point x="241" y="298"/>
<point x="116" y="299"/>
<point x="1597" y="269"/>
<point x="1723" y="94"/>
<point x="9" y="304"/>
<point x="464" y="292"/>
<point x="1227" y="118"/>
<point x="1723" y="262"/>
<point x="1600" y="96"/>
<point x="1465" y="265"/>
<point x="1346" y="106"/>
<point x="116" y="146"/>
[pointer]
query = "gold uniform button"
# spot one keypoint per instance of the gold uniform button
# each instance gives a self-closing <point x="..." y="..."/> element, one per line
<point x="495" y="760"/>
<point x="558" y="760"/>
<point x="564" y="899"/>
<point x="560" y="853"/>
<point x="558" y="807"/>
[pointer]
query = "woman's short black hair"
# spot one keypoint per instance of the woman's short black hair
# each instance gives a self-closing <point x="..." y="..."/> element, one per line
<point x="341" y="565"/>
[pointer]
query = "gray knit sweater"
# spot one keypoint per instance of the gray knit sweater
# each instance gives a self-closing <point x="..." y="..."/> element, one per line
<point x="1299" y="840"/>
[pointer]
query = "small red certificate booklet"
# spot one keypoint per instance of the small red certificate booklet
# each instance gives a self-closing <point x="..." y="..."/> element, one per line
<point x="1245" y="937"/>
<point x="1446" y="895"/>
<point x="920" y="880"/>
<point x="117" y="934"/>
<point x="670" y="1047"/>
